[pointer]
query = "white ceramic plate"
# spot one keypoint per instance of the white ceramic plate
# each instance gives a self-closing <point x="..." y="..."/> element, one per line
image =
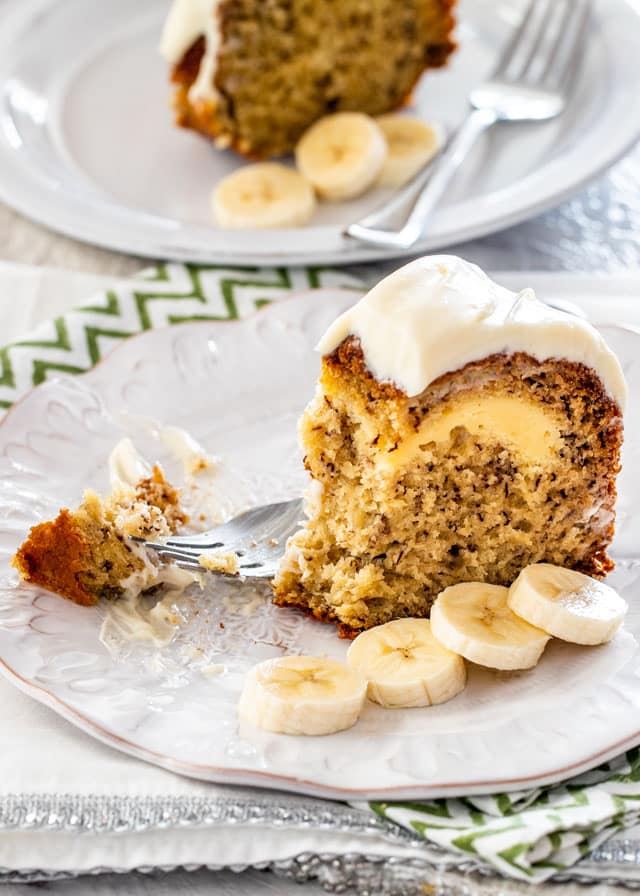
<point x="239" y="388"/>
<point x="87" y="144"/>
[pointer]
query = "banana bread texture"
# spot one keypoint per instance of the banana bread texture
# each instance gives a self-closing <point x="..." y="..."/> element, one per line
<point x="411" y="495"/>
<point x="85" y="554"/>
<point x="282" y="64"/>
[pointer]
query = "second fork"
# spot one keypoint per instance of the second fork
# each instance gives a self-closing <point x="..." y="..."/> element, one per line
<point x="530" y="83"/>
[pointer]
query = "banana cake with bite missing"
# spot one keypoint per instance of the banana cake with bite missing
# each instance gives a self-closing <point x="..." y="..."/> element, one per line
<point x="255" y="74"/>
<point x="459" y="432"/>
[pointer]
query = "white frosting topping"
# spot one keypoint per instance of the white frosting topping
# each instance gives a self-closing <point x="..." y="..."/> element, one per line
<point x="132" y="618"/>
<point x="126" y="465"/>
<point x="440" y="312"/>
<point x="182" y="445"/>
<point x="187" y="21"/>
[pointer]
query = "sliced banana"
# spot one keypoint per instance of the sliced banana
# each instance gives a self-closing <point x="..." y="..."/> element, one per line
<point x="406" y="666"/>
<point x="567" y="604"/>
<point x="342" y="155"/>
<point x="474" y="620"/>
<point x="302" y="695"/>
<point x="263" y="196"/>
<point x="411" y="144"/>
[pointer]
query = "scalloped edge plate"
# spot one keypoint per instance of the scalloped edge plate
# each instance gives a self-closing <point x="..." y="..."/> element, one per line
<point x="576" y="709"/>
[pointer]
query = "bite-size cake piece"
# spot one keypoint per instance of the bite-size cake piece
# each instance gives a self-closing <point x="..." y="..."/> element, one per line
<point x="255" y="74"/>
<point x="459" y="432"/>
<point x="85" y="554"/>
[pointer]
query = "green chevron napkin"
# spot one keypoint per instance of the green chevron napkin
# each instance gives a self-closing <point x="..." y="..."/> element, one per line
<point x="528" y="835"/>
<point x="531" y="835"/>
<point x="165" y="294"/>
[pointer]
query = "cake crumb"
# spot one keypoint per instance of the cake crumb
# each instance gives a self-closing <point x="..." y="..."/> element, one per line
<point x="218" y="561"/>
<point x="241" y="604"/>
<point x="213" y="670"/>
<point x="198" y="464"/>
<point x="181" y="444"/>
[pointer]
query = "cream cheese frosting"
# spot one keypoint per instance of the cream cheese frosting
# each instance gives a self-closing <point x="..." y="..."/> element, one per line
<point x="126" y="465"/>
<point x="182" y="445"/>
<point x="440" y="312"/>
<point x="187" y="21"/>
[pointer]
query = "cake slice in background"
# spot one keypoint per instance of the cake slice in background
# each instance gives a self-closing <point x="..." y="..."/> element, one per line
<point x="459" y="432"/>
<point x="254" y="74"/>
<point x="85" y="554"/>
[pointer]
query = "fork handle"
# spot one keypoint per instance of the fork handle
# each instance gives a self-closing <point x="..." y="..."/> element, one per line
<point x="441" y="175"/>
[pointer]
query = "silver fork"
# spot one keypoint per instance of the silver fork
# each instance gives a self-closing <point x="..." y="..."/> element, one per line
<point x="257" y="537"/>
<point x="530" y="83"/>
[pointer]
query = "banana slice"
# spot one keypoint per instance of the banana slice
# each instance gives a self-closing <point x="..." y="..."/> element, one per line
<point x="302" y="695"/>
<point x="411" y="144"/>
<point x="567" y="604"/>
<point x="262" y="196"/>
<point x="474" y="620"/>
<point x="405" y="665"/>
<point x="342" y="154"/>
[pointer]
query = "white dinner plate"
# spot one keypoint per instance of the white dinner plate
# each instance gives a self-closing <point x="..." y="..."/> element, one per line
<point x="239" y="387"/>
<point x="87" y="144"/>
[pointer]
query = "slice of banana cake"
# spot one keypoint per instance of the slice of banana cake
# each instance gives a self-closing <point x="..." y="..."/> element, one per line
<point x="459" y="432"/>
<point x="254" y="74"/>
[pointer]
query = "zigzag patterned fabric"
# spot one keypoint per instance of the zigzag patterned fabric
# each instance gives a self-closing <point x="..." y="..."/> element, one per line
<point x="530" y="836"/>
<point x="167" y="294"/>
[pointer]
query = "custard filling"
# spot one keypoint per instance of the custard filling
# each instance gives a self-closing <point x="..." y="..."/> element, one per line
<point x="524" y="427"/>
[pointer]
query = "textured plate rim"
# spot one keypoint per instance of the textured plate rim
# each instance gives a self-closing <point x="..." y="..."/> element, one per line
<point x="20" y="190"/>
<point x="272" y="780"/>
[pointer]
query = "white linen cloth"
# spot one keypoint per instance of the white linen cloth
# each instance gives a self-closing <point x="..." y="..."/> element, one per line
<point x="45" y="759"/>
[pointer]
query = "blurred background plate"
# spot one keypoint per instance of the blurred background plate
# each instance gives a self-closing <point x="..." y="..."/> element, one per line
<point x="88" y="147"/>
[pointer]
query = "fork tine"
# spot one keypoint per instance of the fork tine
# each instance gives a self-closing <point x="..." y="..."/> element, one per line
<point x="267" y="520"/>
<point x="517" y="39"/>
<point x="189" y="560"/>
<point x="543" y="53"/>
<point x="563" y="59"/>
<point x="257" y="537"/>
<point x="172" y="553"/>
<point x="533" y="49"/>
<point x="194" y="566"/>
